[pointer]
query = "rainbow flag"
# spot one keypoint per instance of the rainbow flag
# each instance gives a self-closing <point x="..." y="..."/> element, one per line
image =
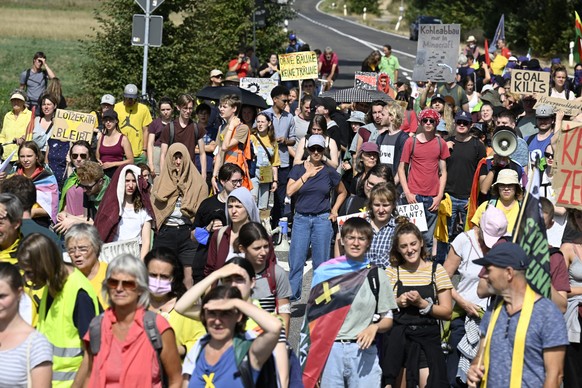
<point x="47" y="194"/>
<point x="338" y="282"/>
<point x="578" y="39"/>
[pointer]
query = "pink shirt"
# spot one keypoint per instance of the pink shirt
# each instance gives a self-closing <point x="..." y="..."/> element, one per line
<point x="128" y="363"/>
<point x="423" y="177"/>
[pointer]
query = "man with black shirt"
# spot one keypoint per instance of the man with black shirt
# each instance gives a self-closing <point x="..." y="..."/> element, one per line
<point x="466" y="152"/>
<point x="391" y="139"/>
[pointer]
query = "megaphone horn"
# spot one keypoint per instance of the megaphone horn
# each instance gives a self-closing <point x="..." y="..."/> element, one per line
<point x="504" y="142"/>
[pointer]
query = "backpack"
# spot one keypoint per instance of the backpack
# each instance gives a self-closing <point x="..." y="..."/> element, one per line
<point x="151" y="329"/>
<point x="172" y="132"/>
<point x="44" y="77"/>
<point x="412" y="152"/>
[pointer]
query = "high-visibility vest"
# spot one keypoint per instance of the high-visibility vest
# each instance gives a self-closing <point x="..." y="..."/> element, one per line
<point x="239" y="156"/>
<point x="58" y="327"/>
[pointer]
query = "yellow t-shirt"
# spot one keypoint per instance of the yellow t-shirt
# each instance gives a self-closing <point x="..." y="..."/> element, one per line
<point x="97" y="283"/>
<point x="187" y="330"/>
<point x="132" y="121"/>
<point x="511" y="214"/>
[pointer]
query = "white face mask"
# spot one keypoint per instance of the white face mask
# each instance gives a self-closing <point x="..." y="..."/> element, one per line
<point x="472" y="45"/>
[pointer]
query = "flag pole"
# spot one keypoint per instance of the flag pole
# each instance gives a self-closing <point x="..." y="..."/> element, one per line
<point x="522" y="210"/>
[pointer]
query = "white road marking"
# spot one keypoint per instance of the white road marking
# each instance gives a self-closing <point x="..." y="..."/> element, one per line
<point x="285" y="265"/>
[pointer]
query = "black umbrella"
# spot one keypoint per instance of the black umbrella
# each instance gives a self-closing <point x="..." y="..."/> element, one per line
<point x="246" y="97"/>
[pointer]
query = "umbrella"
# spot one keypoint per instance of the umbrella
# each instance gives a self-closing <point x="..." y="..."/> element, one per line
<point x="246" y="97"/>
<point x="356" y="95"/>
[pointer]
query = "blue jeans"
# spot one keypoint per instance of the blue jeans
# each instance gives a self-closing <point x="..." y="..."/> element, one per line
<point x="431" y="219"/>
<point x="314" y="230"/>
<point x="350" y="366"/>
<point x="458" y="209"/>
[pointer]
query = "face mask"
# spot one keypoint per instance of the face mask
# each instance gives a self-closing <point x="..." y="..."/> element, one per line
<point x="160" y="286"/>
<point x="472" y="45"/>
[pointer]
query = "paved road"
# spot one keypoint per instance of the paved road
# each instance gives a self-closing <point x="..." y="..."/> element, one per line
<point x="351" y="41"/>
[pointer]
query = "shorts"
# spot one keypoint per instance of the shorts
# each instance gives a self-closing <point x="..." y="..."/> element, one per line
<point x="177" y="238"/>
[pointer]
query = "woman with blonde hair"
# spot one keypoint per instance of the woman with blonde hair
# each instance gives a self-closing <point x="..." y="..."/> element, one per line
<point x="267" y="160"/>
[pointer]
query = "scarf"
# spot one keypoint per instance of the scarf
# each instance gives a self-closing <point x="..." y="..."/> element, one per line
<point x="519" y="344"/>
<point x="171" y="184"/>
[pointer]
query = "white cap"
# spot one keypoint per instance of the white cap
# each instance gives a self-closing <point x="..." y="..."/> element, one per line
<point x="108" y="99"/>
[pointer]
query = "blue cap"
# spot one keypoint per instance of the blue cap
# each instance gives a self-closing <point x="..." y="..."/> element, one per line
<point x="463" y="116"/>
<point x="292" y="37"/>
<point x="505" y="255"/>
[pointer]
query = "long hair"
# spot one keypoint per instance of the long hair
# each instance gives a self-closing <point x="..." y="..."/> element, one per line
<point x="43" y="257"/>
<point x="136" y="196"/>
<point x="404" y="226"/>
<point x="270" y="129"/>
<point x="166" y="255"/>
<point x="55" y="88"/>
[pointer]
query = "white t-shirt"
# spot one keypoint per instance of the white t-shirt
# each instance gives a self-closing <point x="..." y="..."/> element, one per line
<point x="467" y="247"/>
<point x="131" y="224"/>
<point x="554" y="93"/>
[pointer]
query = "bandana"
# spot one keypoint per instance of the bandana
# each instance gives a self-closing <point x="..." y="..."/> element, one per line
<point x="431" y="114"/>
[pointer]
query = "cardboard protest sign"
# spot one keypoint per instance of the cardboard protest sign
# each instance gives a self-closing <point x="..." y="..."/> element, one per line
<point x="72" y="126"/>
<point x="570" y="108"/>
<point x="567" y="174"/>
<point x="530" y="82"/>
<point x="366" y="80"/>
<point x="260" y="86"/>
<point x="415" y="213"/>
<point x="295" y="66"/>
<point x="437" y="52"/>
<point x="342" y="219"/>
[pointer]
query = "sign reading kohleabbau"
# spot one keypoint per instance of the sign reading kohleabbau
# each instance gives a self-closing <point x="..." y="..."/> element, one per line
<point x="530" y="82"/>
<point x="567" y="175"/>
<point x="72" y="126"/>
<point x="437" y="52"/>
<point x="296" y="66"/>
<point x="415" y="213"/>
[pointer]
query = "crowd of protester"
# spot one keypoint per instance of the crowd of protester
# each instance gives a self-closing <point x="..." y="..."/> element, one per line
<point x="146" y="257"/>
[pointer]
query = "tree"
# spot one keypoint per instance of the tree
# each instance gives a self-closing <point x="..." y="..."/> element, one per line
<point x="357" y="6"/>
<point x="198" y="37"/>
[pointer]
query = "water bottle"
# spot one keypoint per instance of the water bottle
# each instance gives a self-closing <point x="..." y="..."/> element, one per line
<point x="284" y="226"/>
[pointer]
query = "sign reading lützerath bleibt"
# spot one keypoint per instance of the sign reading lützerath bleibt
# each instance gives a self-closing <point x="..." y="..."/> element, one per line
<point x="437" y="52"/>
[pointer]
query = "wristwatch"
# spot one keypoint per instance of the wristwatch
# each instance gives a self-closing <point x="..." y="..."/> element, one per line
<point x="428" y="309"/>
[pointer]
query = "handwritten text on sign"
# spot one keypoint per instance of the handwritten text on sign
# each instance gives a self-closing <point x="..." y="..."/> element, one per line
<point x="567" y="182"/>
<point x="530" y="81"/>
<point x="72" y="126"/>
<point x="415" y="213"/>
<point x="569" y="107"/>
<point x="301" y="65"/>
<point x="437" y="52"/>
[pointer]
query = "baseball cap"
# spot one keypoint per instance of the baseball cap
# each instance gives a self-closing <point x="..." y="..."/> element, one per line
<point x="505" y="255"/>
<point x="316" y="140"/>
<point x="463" y="116"/>
<point x="130" y="91"/>
<point x="108" y="99"/>
<point x="17" y="95"/>
<point x="370" y="147"/>
<point x="438" y="97"/>
<point x="292" y="37"/>
<point x="357" y="117"/>
<point x="493" y="224"/>
<point x="329" y="104"/>
<point x="507" y="176"/>
<point x="215" y="73"/>
<point x="111" y="114"/>
<point x="544" y="111"/>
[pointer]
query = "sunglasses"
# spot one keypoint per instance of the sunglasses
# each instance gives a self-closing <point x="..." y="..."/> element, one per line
<point x="82" y="156"/>
<point x="316" y="149"/>
<point x="549" y="155"/>
<point x="129" y="285"/>
<point x="463" y="123"/>
<point x="217" y="76"/>
<point x="428" y="121"/>
<point x="284" y="101"/>
<point x="88" y="187"/>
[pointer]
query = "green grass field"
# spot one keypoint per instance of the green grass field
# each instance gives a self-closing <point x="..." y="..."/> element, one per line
<point x="52" y="26"/>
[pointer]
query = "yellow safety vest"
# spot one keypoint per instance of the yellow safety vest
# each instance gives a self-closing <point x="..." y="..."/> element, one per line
<point x="58" y="327"/>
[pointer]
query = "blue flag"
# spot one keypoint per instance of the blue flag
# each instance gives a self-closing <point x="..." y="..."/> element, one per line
<point x="499" y="34"/>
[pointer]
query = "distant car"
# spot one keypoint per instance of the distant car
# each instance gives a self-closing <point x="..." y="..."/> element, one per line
<point x="422" y="20"/>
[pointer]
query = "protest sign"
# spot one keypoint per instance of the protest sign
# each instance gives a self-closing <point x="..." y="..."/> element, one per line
<point x="570" y="108"/>
<point x="260" y="86"/>
<point x="72" y="126"/>
<point x="437" y="52"/>
<point x="301" y="65"/>
<point x="415" y="213"/>
<point x="366" y="80"/>
<point x="529" y="82"/>
<point x="342" y="219"/>
<point x="567" y="174"/>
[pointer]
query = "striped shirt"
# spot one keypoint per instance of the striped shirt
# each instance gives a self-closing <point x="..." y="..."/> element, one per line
<point x="421" y="277"/>
<point x="32" y="352"/>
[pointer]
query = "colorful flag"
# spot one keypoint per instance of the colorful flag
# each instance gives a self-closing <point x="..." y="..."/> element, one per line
<point x="329" y="302"/>
<point x="531" y="236"/>
<point x="578" y="39"/>
<point x="499" y="34"/>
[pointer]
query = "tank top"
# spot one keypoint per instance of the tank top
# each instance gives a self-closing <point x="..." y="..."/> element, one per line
<point x="410" y="315"/>
<point x="113" y="153"/>
<point x="575" y="271"/>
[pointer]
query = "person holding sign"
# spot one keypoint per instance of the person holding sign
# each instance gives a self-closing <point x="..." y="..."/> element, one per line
<point x="423" y="296"/>
<point x="423" y="170"/>
<point x="113" y="149"/>
<point x="523" y="340"/>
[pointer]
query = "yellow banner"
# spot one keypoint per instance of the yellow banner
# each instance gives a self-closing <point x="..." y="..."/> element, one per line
<point x="72" y="126"/>
<point x="301" y="65"/>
